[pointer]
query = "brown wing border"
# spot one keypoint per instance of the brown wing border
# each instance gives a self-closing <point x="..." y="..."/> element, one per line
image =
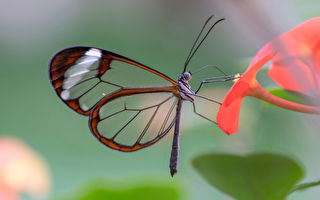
<point x="65" y="58"/>
<point x="94" y="116"/>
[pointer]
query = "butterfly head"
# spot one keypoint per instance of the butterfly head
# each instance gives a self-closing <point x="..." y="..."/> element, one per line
<point x="185" y="77"/>
<point x="184" y="87"/>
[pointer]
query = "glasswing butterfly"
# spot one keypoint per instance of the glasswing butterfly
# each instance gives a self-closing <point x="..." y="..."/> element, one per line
<point x="130" y="106"/>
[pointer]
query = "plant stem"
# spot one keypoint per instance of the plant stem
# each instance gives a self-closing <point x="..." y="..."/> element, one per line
<point x="304" y="186"/>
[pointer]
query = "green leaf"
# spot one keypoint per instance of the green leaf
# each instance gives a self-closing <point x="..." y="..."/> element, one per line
<point x="253" y="177"/>
<point x="292" y="96"/>
<point x="102" y="190"/>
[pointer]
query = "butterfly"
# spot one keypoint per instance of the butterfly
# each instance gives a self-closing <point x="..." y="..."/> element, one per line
<point x="130" y="106"/>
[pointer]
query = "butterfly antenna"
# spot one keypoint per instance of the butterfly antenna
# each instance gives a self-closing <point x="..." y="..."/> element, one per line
<point x="193" y="51"/>
<point x="195" y="42"/>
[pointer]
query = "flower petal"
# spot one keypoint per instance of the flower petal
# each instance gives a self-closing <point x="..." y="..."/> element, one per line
<point x="264" y="55"/>
<point x="295" y="63"/>
<point x="293" y="75"/>
<point x="228" y="114"/>
<point x="308" y="32"/>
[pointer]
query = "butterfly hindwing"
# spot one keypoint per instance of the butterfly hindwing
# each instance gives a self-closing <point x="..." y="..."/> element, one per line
<point x="131" y="119"/>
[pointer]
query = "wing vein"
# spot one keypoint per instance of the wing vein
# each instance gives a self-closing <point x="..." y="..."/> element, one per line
<point x="148" y="125"/>
<point x="112" y="115"/>
<point x="89" y="78"/>
<point x="88" y="90"/>
<point x="146" y="108"/>
<point x="167" y="118"/>
<point x="125" y="125"/>
<point x="111" y="83"/>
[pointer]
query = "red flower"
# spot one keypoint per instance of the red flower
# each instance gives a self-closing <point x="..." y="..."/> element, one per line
<point x="22" y="171"/>
<point x="295" y="57"/>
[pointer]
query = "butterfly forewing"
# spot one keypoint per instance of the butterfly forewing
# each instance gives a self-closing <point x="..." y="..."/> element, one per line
<point x="82" y="76"/>
<point x="131" y="121"/>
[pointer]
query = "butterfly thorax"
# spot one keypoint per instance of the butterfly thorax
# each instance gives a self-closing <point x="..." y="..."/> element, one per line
<point x="185" y="89"/>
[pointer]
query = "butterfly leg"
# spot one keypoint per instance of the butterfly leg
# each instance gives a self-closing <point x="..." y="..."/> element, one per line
<point x="209" y="66"/>
<point x="175" y="144"/>
<point x="195" y="111"/>
<point x="216" y="80"/>
<point x="206" y="98"/>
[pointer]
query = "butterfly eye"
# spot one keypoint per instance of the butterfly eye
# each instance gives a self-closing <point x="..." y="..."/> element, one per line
<point x="186" y="76"/>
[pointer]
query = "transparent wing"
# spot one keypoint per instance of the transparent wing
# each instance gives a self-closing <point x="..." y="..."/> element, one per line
<point x="81" y="76"/>
<point x="130" y="120"/>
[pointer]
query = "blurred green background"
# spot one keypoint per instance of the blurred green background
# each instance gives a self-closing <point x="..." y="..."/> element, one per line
<point x="158" y="34"/>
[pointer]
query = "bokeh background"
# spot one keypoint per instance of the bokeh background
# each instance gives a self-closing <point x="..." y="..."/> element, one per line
<point x="158" y="34"/>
